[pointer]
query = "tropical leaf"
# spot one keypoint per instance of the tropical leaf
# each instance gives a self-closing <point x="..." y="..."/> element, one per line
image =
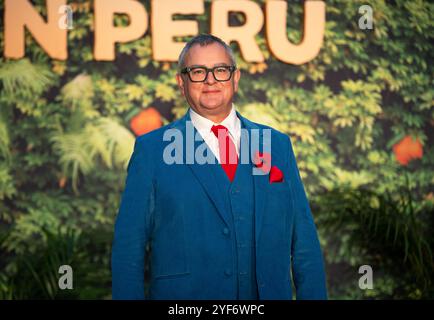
<point x="119" y="141"/>
<point x="103" y="139"/>
<point x="78" y="93"/>
<point x="24" y="78"/>
<point x="74" y="154"/>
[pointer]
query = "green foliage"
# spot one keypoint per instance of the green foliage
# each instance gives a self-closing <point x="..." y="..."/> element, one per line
<point x="24" y="79"/>
<point x="390" y="233"/>
<point x="37" y="274"/>
<point x="65" y="145"/>
<point x="104" y="138"/>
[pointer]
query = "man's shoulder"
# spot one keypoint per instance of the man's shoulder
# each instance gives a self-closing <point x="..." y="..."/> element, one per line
<point x="155" y="137"/>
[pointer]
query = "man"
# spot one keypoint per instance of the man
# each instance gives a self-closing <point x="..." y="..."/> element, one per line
<point x="223" y="229"/>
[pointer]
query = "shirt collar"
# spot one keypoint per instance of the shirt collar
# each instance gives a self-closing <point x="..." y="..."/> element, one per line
<point x="203" y="125"/>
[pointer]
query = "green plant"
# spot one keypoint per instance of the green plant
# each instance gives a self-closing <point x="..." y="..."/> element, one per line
<point x="391" y="233"/>
<point x="35" y="275"/>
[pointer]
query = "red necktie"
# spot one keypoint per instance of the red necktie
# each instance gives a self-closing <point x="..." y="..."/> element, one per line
<point x="227" y="151"/>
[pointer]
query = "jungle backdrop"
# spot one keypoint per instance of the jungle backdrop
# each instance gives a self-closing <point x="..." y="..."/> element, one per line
<point x="360" y="115"/>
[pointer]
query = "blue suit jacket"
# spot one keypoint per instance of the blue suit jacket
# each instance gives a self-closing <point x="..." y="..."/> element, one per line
<point x="178" y="210"/>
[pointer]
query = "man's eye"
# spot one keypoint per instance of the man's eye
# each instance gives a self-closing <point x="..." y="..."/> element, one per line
<point x="222" y="69"/>
<point x="197" y="71"/>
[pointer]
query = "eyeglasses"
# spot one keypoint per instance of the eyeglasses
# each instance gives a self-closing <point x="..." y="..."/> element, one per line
<point x="199" y="74"/>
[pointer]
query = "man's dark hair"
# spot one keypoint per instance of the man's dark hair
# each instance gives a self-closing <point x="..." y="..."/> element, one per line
<point x="204" y="40"/>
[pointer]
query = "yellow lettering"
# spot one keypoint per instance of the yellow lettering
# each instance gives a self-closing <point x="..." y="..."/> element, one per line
<point x="244" y="35"/>
<point x="313" y="32"/>
<point x="106" y="34"/>
<point x="20" y="14"/>
<point x="164" y="28"/>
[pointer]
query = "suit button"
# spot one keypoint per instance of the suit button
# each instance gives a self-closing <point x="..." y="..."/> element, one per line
<point x="225" y="231"/>
<point x="228" y="273"/>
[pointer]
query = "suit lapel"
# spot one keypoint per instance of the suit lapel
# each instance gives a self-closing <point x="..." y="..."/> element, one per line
<point x="203" y="172"/>
<point x="206" y="177"/>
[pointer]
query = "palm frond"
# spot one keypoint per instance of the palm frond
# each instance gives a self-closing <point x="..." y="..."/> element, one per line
<point x="78" y="93"/>
<point x="74" y="154"/>
<point x="23" y="77"/>
<point x="120" y="140"/>
<point x="103" y="139"/>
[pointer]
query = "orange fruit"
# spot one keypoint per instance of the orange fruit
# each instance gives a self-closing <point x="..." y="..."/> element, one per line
<point x="408" y="149"/>
<point x="145" y="121"/>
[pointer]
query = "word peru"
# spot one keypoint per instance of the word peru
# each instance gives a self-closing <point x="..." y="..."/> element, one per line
<point x="21" y="15"/>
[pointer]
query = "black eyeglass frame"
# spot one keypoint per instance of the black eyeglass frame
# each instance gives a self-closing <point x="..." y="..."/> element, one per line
<point x="187" y="70"/>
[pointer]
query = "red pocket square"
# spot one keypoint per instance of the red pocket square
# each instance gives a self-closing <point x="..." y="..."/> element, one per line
<point x="276" y="175"/>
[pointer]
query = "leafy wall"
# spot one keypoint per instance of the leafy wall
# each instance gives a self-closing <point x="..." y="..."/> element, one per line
<point x="360" y="115"/>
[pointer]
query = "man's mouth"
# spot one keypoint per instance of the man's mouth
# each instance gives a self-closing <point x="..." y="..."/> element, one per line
<point x="211" y="91"/>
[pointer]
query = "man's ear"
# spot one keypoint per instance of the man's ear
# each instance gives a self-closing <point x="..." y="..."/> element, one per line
<point x="180" y="81"/>
<point x="236" y="76"/>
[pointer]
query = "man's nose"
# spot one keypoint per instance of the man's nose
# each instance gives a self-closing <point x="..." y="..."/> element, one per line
<point x="210" y="77"/>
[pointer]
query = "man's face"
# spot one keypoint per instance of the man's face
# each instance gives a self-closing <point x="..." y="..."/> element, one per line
<point x="210" y="97"/>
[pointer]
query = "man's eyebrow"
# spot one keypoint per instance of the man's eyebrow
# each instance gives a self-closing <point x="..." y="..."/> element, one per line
<point x="215" y="65"/>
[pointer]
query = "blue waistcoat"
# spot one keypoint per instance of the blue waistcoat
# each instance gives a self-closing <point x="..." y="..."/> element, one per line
<point x="239" y="201"/>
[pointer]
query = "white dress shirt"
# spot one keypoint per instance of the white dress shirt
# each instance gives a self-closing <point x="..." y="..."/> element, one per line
<point x="204" y="125"/>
